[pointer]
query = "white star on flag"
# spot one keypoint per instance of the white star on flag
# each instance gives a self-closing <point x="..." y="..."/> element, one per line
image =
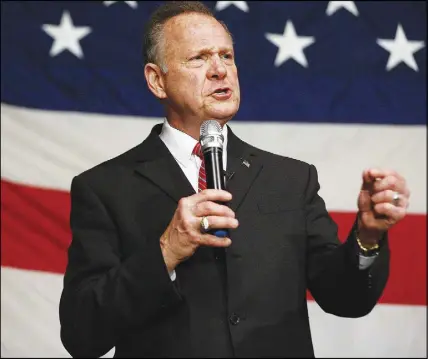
<point x="66" y="36"/>
<point x="333" y="6"/>
<point x="132" y="4"/>
<point x="401" y="50"/>
<point x="290" y="45"/>
<point x="242" y="5"/>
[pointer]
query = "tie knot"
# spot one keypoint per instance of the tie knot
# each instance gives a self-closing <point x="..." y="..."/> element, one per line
<point x="197" y="150"/>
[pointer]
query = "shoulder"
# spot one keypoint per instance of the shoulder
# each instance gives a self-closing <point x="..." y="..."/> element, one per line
<point x="278" y="162"/>
<point x="281" y="172"/>
<point x="109" y="171"/>
<point x="268" y="159"/>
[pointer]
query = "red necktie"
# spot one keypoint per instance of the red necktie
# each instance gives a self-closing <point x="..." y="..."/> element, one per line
<point x="202" y="181"/>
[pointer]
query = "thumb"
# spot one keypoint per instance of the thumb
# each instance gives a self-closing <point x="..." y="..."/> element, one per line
<point x="367" y="181"/>
<point x="364" y="201"/>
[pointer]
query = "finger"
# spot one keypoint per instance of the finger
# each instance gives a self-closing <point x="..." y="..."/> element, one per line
<point x="393" y="183"/>
<point x="389" y="182"/>
<point x="189" y="203"/>
<point x="388" y="197"/>
<point x="375" y="173"/>
<point x="221" y="222"/>
<point x="209" y="208"/>
<point x="215" y="195"/>
<point x="212" y="241"/>
<point x="390" y="211"/>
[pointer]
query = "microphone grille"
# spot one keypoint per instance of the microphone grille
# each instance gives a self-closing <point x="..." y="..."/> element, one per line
<point x="210" y="127"/>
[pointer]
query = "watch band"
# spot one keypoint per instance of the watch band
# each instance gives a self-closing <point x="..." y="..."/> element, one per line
<point x="366" y="250"/>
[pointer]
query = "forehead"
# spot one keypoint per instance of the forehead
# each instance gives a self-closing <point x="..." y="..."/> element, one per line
<point x="188" y="32"/>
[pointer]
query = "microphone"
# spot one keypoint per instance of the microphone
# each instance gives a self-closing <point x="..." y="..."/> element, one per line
<point x="211" y="140"/>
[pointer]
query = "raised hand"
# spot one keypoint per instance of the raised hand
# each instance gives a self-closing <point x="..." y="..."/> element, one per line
<point x="383" y="200"/>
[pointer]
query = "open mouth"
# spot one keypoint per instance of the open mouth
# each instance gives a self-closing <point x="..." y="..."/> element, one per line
<point x="222" y="93"/>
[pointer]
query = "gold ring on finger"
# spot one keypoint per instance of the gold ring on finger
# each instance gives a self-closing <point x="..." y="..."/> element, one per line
<point x="205" y="226"/>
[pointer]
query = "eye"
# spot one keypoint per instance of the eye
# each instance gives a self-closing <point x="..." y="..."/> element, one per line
<point x="228" y="56"/>
<point x="197" y="57"/>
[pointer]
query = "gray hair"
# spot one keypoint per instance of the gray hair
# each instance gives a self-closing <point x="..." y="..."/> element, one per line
<point x="153" y="34"/>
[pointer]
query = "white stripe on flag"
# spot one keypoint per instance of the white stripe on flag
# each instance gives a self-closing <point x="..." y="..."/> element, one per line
<point x="30" y="323"/>
<point x="30" y="314"/>
<point x="389" y="331"/>
<point x="47" y="148"/>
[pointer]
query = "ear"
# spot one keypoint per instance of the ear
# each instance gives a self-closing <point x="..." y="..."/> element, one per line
<point x="155" y="80"/>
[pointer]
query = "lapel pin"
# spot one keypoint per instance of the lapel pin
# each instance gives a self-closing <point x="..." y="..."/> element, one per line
<point x="246" y="163"/>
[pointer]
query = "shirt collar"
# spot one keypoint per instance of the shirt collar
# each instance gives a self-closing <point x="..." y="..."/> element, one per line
<point x="181" y="145"/>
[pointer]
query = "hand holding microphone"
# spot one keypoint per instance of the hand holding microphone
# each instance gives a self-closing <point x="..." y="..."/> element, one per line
<point x="184" y="233"/>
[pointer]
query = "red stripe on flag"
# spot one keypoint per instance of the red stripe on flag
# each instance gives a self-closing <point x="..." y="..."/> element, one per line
<point x="35" y="235"/>
<point x="407" y="282"/>
<point x="35" y="228"/>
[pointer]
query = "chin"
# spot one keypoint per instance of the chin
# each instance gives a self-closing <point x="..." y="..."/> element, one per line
<point x="223" y="112"/>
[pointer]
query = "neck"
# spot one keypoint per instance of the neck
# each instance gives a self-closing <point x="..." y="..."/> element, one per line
<point x="190" y="127"/>
<point x="191" y="130"/>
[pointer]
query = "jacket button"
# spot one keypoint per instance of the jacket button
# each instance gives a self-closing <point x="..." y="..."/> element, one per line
<point x="234" y="319"/>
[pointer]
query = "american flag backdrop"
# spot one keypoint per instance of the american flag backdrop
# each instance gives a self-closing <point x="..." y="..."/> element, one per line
<point x="339" y="84"/>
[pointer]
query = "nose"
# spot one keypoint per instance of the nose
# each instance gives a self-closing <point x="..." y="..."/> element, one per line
<point x="217" y="69"/>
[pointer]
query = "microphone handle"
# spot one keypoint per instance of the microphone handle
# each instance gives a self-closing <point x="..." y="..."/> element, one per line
<point x="213" y="157"/>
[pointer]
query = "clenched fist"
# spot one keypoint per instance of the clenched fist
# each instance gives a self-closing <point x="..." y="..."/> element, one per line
<point x="382" y="202"/>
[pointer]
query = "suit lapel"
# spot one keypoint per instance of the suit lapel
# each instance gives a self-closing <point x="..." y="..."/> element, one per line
<point x="156" y="164"/>
<point x="168" y="176"/>
<point x="243" y="162"/>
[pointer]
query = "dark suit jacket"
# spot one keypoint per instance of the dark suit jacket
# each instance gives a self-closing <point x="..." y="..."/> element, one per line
<point x="246" y="301"/>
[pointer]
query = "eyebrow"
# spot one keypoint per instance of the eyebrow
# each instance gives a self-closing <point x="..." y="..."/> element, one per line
<point x="211" y="50"/>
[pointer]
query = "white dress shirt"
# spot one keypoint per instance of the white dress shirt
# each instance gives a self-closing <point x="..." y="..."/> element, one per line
<point x="181" y="147"/>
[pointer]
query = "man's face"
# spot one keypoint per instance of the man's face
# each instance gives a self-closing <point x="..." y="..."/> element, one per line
<point x="201" y="82"/>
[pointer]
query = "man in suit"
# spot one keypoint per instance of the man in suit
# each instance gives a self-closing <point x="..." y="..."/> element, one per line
<point x="145" y="278"/>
